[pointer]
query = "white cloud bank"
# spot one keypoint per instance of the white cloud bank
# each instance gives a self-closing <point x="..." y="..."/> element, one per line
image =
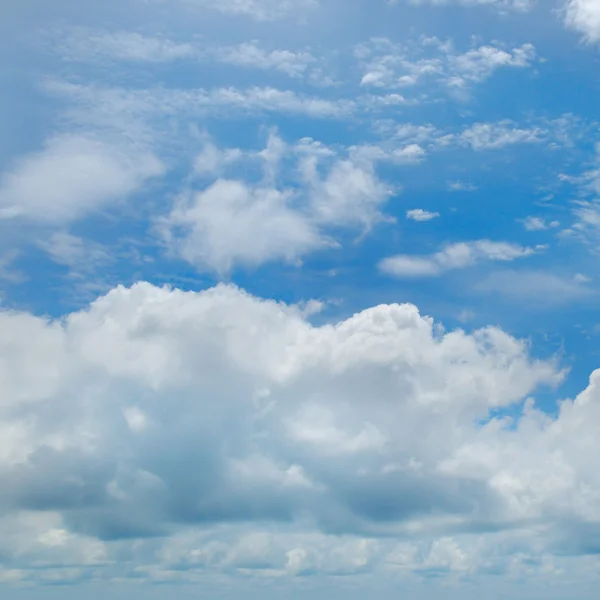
<point x="153" y="412"/>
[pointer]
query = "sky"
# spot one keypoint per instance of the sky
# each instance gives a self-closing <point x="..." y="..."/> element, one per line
<point x="298" y="299"/>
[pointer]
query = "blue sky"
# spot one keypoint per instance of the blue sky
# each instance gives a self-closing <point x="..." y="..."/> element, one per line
<point x="299" y="298"/>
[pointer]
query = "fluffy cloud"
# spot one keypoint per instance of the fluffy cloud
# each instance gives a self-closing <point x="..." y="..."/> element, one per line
<point x="233" y="222"/>
<point x="154" y="411"/>
<point x="418" y="214"/>
<point x="584" y="17"/>
<point x="453" y="256"/>
<point x="72" y="177"/>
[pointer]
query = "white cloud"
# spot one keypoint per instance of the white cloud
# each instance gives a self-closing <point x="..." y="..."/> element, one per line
<point x="453" y="256"/>
<point x="477" y="136"/>
<point x="212" y="160"/>
<point x="584" y="17"/>
<point x="418" y="214"/>
<point x="234" y="222"/>
<point x="539" y="288"/>
<point x="389" y="65"/>
<point x="103" y="103"/>
<point x="72" y="177"/>
<point x="517" y="5"/>
<point x="261" y="10"/>
<point x="154" y="410"/>
<point x="250" y="54"/>
<point x="486" y="136"/>
<point x="83" y="44"/>
<point x="538" y="224"/>
<point x="461" y="186"/>
<point x="231" y="223"/>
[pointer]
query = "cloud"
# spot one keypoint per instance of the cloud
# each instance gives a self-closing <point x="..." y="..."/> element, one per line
<point x="72" y="177"/>
<point x="487" y="136"/>
<point x="584" y="17"/>
<point x="99" y="102"/>
<point x="516" y="5"/>
<point x="261" y="10"/>
<point x="231" y="223"/>
<point x="480" y="136"/>
<point x="155" y="409"/>
<point x="250" y="54"/>
<point x="461" y="186"/>
<point x="234" y="222"/>
<point x="540" y="288"/>
<point x="389" y="65"/>
<point x="418" y="214"/>
<point x="250" y="442"/>
<point x="538" y="224"/>
<point x="80" y="44"/>
<point x="453" y="256"/>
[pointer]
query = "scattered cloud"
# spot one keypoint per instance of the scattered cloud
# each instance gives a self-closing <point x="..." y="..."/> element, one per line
<point x="461" y="186"/>
<point x="418" y="214"/>
<point x="233" y="222"/>
<point x="250" y="54"/>
<point x="453" y="256"/>
<point x="538" y="224"/>
<point x="388" y="65"/>
<point x="81" y="44"/>
<point x="480" y="136"/>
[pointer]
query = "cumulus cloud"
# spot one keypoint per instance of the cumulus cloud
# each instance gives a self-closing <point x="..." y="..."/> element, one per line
<point x="281" y="216"/>
<point x="155" y="407"/>
<point x="453" y="256"/>
<point x="584" y="17"/>
<point x="153" y="412"/>
<point x="73" y="176"/>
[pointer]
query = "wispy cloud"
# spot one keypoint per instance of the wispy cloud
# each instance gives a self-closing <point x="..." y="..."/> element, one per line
<point x="389" y="65"/>
<point x="453" y="256"/>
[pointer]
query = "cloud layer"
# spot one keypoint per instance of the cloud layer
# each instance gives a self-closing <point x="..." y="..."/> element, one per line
<point x="154" y="409"/>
